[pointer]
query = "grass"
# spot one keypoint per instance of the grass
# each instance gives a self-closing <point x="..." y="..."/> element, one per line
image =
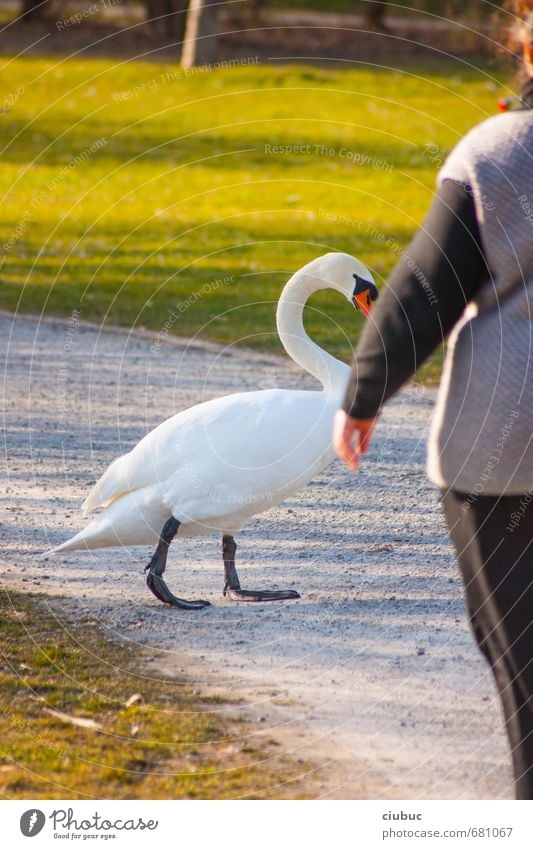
<point x="133" y="192"/>
<point x="170" y="744"/>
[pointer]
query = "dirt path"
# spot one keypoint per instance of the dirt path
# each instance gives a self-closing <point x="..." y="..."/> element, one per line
<point x="373" y="673"/>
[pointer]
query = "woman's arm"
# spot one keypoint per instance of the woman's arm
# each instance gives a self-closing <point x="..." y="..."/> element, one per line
<point x="438" y="275"/>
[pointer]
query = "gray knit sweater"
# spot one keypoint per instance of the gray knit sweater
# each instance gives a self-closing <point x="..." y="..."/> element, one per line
<point x="481" y="438"/>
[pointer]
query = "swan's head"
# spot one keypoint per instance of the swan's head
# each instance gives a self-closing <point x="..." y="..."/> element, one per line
<point x="346" y="275"/>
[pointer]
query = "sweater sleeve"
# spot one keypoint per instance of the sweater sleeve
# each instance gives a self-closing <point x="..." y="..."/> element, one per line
<point x="437" y="276"/>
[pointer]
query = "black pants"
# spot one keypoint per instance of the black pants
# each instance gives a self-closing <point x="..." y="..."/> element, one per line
<point x="493" y="537"/>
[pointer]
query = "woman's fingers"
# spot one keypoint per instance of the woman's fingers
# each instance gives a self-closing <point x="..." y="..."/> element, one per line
<point x="351" y="437"/>
<point x="344" y="433"/>
<point x="366" y="427"/>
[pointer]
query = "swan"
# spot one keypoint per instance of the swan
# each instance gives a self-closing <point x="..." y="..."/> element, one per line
<point x="211" y="467"/>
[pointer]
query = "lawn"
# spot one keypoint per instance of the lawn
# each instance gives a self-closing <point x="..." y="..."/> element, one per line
<point x="146" y="736"/>
<point x="138" y="195"/>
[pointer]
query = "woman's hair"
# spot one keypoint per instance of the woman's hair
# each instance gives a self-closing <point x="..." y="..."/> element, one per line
<point x="527" y="27"/>
<point x="522" y="10"/>
<point x="520" y="15"/>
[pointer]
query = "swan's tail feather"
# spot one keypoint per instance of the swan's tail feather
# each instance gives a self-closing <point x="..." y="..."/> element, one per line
<point x="107" y="489"/>
<point x="75" y="543"/>
<point x="132" y="520"/>
<point x="98" y="534"/>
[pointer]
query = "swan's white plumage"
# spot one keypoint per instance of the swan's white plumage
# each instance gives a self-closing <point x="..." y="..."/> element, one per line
<point x="215" y="465"/>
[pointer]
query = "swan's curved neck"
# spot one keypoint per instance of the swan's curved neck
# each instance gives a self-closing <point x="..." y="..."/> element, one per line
<point x="331" y="373"/>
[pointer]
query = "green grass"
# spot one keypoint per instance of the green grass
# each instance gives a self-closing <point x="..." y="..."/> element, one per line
<point x="183" y="190"/>
<point x="169" y="744"/>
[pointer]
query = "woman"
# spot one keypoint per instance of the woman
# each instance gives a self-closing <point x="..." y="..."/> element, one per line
<point x="469" y="270"/>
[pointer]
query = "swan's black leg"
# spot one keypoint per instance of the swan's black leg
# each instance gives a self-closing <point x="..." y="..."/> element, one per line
<point x="232" y="585"/>
<point x="156" y="567"/>
<point x="231" y="578"/>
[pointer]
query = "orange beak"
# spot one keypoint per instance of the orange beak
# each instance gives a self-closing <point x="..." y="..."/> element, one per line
<point x="363" y="302"/>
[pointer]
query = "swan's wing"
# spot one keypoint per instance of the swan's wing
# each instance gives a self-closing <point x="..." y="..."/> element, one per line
<point x="153" y="459"/>
<point x="272" y="444"/>
<point x="251" y="439"/>
<point x="158" y="455"/>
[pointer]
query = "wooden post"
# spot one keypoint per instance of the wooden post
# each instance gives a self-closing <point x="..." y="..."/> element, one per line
<point x="200" y="46"/>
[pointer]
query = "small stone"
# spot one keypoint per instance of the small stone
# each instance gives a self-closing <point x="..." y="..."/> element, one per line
<point x="420" y="651"/>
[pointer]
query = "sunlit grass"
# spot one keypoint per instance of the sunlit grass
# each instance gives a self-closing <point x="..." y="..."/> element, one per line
<point x="168" y="744"/>
<point x="129" y="191"/>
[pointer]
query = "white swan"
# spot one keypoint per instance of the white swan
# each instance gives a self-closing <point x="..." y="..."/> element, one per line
<point x="212" y="467"/>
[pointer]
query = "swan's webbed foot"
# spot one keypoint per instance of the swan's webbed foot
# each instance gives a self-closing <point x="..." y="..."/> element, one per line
<point x="260" y="595"/>
<point x="156" y="567"/>
<point x="157" y="585"/>
<point x="232" y="585"/>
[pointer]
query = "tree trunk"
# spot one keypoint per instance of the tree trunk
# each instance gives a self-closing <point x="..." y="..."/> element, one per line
<point x="33" y="10"/>
<point x="167" y="17"/>
<point x="178" y="19"/>
<point x="201" y="43"/>
<point x="375" y="14"/>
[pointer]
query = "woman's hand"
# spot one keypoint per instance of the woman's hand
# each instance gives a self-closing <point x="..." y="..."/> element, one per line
<point x="351" y="437"/>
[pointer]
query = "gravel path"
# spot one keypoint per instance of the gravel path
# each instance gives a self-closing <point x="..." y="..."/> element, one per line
<point x="373" y="674"/>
